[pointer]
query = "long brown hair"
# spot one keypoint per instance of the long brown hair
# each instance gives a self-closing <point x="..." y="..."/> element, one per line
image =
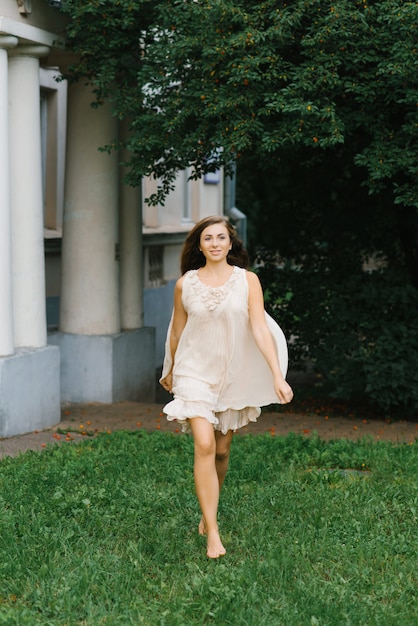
<point x="192" y="258"/>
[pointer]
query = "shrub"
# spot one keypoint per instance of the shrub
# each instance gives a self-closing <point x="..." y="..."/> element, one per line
<point x="360" y="330"/>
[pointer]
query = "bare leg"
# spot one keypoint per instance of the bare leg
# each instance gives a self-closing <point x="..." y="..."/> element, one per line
<point x="207" y="483"/>
<point x="223" y="446"/>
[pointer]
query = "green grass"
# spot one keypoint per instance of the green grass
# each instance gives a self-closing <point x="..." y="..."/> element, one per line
<point x="105" y="532"/>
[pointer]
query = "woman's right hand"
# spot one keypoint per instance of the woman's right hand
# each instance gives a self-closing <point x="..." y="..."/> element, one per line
<point x="283" y="390"/>
<point x="167" y="382"/>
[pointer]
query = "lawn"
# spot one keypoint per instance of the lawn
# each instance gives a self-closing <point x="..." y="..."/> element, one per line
<point x="105" y="532"/>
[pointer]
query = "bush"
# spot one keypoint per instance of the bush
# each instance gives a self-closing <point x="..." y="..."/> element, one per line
<point x="360" y="330"/>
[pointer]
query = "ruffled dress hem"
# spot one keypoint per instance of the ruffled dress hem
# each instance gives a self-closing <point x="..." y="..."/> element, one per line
<point x="223" y="421"/>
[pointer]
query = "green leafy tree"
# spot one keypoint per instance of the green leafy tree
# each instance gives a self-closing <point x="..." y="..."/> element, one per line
<point x="204" y="83"/>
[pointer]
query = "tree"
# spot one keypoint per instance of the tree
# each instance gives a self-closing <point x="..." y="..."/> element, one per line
<point x="203" y="83"/>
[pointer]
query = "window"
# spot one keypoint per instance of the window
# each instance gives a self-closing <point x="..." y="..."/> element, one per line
<point x="154" y="262"/>
<point x="186" y="214"/>
<point x="53" y="135"/>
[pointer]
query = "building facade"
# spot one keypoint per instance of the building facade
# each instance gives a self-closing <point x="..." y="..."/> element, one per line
<point x="87" y="269"/>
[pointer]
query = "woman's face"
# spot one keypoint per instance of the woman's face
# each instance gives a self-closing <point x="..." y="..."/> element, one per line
<point x="215" y="243"/>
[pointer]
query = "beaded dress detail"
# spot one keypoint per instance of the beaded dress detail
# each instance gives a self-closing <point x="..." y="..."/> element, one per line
<point x="219" y="373"/>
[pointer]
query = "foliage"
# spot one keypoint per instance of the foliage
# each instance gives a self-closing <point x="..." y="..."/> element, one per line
<point x="105" y="532"/>
<point x="360" y="329"/>
<point x="202" y="83"/>
<point x="318" y="210"/>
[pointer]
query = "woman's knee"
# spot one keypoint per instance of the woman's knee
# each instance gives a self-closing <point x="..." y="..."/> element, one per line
<point x="203" y="436"/>
<point x="205" y="446"/>
<point x="223" y="445"/>
<point x="222" y="456"/>
<point x="223" y="449"/>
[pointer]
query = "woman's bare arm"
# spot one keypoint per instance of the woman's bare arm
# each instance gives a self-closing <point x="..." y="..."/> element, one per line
<point x="177" y="327"/>
<point x="263" y="337"/>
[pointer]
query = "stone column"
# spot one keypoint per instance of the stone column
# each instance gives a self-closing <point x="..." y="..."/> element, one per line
<point x="130" y="246"/>
<point x="29" y="378"/>
<point x="26" y="197"/>
<point x="99" y="363"/>
<point x="6" y="300"/>
<point x="90" y="289"/>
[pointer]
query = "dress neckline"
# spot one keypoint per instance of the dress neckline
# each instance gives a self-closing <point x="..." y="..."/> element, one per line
<point x="213" y="296"/>
<point x="231" y="276"/>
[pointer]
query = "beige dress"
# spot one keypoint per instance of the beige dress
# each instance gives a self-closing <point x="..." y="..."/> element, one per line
<point x="219" y="373"/>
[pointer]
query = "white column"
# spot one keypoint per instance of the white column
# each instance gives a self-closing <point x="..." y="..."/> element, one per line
<point x="6" y="299"/>
<point x="90" y="286"/>
<point x="130" y="245"/>
<point x="26" y="197"/>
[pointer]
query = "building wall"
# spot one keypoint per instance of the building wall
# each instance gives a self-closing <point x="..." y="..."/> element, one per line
<point x="40" y="15"/>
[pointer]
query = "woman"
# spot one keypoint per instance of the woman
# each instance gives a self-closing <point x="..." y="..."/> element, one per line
<point x="221" y="360"/>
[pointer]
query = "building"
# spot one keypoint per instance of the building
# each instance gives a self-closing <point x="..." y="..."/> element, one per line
<point x="87" y="270"/>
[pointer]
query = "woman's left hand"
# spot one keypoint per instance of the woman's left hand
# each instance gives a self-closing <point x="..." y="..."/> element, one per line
<point x="283" y="390"/>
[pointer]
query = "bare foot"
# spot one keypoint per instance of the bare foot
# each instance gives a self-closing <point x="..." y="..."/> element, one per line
<point x="215" y="548"/>
<point x="202" y="526"/>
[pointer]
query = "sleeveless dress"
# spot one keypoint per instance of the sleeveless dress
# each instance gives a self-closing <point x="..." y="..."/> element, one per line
<point x="219" y="372"/>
